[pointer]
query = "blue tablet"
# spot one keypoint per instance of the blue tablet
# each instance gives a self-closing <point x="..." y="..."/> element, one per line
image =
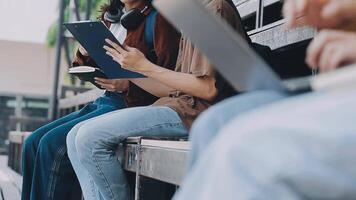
<point x="92" y="35"/>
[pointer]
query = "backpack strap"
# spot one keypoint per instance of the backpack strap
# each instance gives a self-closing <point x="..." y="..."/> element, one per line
<point x="149" y="34"/>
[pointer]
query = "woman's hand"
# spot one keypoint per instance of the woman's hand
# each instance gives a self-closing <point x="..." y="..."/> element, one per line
<point x="113" y="85"/>
<point x="129" y="58"/>
<point x="331" y="49"/>
<point x="320" y="13"/>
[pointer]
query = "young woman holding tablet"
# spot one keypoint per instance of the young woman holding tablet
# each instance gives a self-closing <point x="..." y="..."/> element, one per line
<point x="47" y="172"/>
<point x="190" y="88"/>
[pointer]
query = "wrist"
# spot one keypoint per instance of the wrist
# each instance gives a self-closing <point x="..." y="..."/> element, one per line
<point x="124" y="86"/>
<point x="150" y="69"/>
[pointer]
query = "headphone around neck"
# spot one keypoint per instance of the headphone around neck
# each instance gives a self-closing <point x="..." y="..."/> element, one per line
<point x="130" y="19"/>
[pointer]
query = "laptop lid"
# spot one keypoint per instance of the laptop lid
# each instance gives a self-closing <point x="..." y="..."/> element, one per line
<point x="231" y="55"/>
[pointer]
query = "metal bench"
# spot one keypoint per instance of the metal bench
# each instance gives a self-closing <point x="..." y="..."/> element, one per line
<point x="160" y="159"/>
<point x="157" y="158"/>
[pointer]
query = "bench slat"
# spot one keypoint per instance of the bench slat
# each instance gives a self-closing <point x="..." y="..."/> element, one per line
<point x="276" y="37"/>
<point x="80" y="99"/>
<point x="157" y="162"/>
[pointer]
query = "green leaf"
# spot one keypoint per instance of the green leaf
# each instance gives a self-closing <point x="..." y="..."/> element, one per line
<point x="53" y="30"/>
<point x="52" y="35"/>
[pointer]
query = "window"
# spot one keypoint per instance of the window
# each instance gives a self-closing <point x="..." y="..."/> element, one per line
<point x="32" y="107"/>
<point x="7" y="109"/>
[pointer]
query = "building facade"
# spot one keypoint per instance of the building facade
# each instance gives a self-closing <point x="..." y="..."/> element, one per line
<point x="26" y="64"/>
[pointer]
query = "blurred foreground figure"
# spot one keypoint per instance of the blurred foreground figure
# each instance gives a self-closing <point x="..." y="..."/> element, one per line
<point x="299" y="148"/>
<point x="269" y="145"/>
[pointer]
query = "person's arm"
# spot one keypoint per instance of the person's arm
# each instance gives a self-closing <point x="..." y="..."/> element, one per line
<point x="134" y="60"/>
<point x="148" y="84"/>
<point x="152" y="86"/>
<point x="338" y="14"/>
<point x="331" y="49"/>
<point x="113" y="85"/>
<point x="202" y="87"/>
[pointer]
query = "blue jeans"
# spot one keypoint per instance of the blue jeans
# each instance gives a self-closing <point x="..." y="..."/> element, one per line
<point x="299" y="148"/>
<point x="92" y="147"/>
<point x="209" y="124"/>
<point x="47" y="172"/>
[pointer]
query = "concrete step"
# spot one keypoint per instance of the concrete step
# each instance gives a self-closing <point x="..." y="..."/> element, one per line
<point x="10" y="182"/>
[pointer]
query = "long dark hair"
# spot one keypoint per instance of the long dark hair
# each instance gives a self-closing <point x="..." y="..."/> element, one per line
<point x="113" y="7"/>
<point x="240" y="19"/>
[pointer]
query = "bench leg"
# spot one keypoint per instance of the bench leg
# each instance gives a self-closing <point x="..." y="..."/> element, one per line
<point x="138" y="169"/>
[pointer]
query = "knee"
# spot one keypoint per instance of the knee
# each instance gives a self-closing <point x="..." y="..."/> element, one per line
<point x="84" y="141"/>
<point x="70" y="140"/>
<point x="31" y="143"/>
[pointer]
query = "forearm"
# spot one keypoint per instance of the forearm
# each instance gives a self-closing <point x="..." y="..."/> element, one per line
<point x="132" y="59"/>
<point x="152" y="86"/>
<point x="203" y="87"/>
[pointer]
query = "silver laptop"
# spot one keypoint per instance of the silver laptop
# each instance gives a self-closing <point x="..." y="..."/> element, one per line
<point x="231" y="55"/>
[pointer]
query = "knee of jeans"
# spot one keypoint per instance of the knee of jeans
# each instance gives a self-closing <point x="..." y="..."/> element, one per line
<point x="70" y="140"/>
<point x="32" y="141"/>
<point x="29" y="145"/>
<point x="85" y="142"/>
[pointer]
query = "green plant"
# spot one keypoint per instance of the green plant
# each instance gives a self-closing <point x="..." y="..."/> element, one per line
<point x="68" y="14"/>
<point x="53" y="30"/>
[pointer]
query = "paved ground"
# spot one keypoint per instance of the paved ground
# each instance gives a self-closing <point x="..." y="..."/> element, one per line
<point x="10" y="182"/>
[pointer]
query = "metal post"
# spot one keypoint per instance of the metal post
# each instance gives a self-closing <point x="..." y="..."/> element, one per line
<point x="87" y="17"/>
<point x="54" y="100"/>
<point x="138" y="170"/>
<point x="88" y="11"/>
<point x="76" y="10"/>
<point x="259" y="14"/>
<point x="262" y="5"/>
<point x="18" y="111"/>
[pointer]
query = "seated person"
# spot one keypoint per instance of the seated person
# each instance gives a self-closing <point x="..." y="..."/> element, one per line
<point x="302" y="147"/>
<point x="296" y="148"/>
<point x="320" y="15"/>
<point x="191" y="88"/>
<point x="47" y="172"/>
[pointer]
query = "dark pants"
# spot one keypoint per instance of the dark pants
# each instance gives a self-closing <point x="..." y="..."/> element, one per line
<point x="47" y="171"/>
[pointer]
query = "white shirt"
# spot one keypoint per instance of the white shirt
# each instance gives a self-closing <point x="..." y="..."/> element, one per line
<point x="119" y="32"/>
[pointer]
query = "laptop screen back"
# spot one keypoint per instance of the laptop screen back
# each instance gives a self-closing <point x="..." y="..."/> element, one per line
<point x="226" y="49"/>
